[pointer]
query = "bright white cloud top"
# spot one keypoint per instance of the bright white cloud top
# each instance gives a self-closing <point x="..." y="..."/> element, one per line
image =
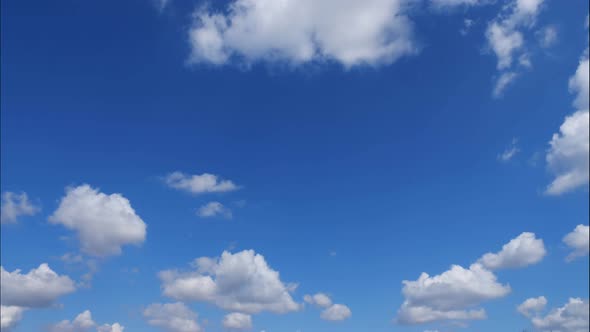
<point x="241" y="282"/>
<point x="10" y="316"/>
<point x="16" y="205"/>
<point x="172" y="317"/>
<point x="103" y="223"/>
<point x="569" y="152"/>
<point x="521" y="251"/>
<point x="84" y="323"/>
<point x="579" y="241"/>
<point x="350" y="32"/>
<point x="331" y="312"/>
<point x="450" y="295"/>
<point x="38" y="288"/>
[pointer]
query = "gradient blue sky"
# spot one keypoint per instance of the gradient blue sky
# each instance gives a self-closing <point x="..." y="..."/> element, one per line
<point x="351" y="178"/>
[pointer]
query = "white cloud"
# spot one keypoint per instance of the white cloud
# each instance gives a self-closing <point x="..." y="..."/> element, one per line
<point x="10" y="316"/>
<point x="41" y="287"/>
<point x="505" y="36"/>
<point x="199" y="184"/>
<point x="350" y="32"/>
<point x="547" y="36"/>
<point x="172" y="317"/>
<point x="572" y="317"/>
<point x="503" y="82"/>
<point x="446" y="4"/>
<point x="213" y="209"/>
<point x="510" y="152"/>
<point x="336" y="312"/>
<point x="319" y="299"/>
<point x="237" y="321"/>
<point x="568" y="154"/>
<point x="14" y="206"/>
<point x="450" y="295"/>
<point x="82" y="323"/>
<point x="241" y="282"/>
<point x="578" y="84"/>
<point x="532" y="305"/>
<point x="104" y="223"/>
<point x="521" y="251"/>
<point x="579" y="241"/>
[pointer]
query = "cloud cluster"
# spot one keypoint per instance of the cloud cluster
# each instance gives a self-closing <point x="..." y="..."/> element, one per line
<point x="16" y="205"/>
<point x="455" y="294"/>
<point x="172" y="317"/>
<point x="571" y="317"/>
<point x="39" y="288"/>
<point x="103" y="223"/>
<point x="350" y="32"/>
<point x="240" y="282"/>
<point x="331" y="312"/>
<point x="84" y="323"/>
<point x="579" y="241"/>
<point x="569" y="152"/>
<point x="506" y="39"/>
<point x="532" y="305"/>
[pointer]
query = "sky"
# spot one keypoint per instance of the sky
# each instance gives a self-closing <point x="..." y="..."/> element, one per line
<point x="294" y="166"/>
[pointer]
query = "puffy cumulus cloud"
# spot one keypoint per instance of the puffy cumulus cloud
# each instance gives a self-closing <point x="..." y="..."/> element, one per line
<point x="579" y="241"/>
<point x="319" y="299"/>
<point x="521" y="251"/>
<point x="40" y="287"/>
<point x="336" y="312"/>
<point x="10" y="316"/>
<point x="450" y="295"/>
<point x="350" y="32"/>
<point x="572" y="317"/>
<point x="104" y="223"/>
<point x="332" y="312"/>
<point x="16" y="205"/>
<point x="84" y="322"/>
<point x="213" y="209"/>
<point x="237" y="321"/>
<point x="568" y="154"/>
<point x="505" y="36"/>
<point x="199" y="184"/>
<point x="569" y="150"/>
<point x="532" y="305"/>
<point x="172" y="317"/>
<point x="241" y="282"/>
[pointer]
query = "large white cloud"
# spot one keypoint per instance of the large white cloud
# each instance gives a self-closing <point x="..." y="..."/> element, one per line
<point x="572" y="317"/>
<point x="104" y="223"/>
<point x="40" y="287"/>
<point x="16" y="205"/>
<point x="569" y="150"/>
<point x="241" y="282"/>
<point x="172" y="317"/>
<point x="84" y="322"/>
<point x="450" y="295"/>
<point x="237" y="321"/>
<point x="199" y="184"/>
<point x="579" y="241"/>
<point x="350" y="32"/>
<point x="521" y="251"/>
<point x="10" y="316"/>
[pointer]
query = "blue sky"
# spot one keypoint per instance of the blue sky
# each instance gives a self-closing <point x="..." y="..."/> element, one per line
<point x="301" y="148"/>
